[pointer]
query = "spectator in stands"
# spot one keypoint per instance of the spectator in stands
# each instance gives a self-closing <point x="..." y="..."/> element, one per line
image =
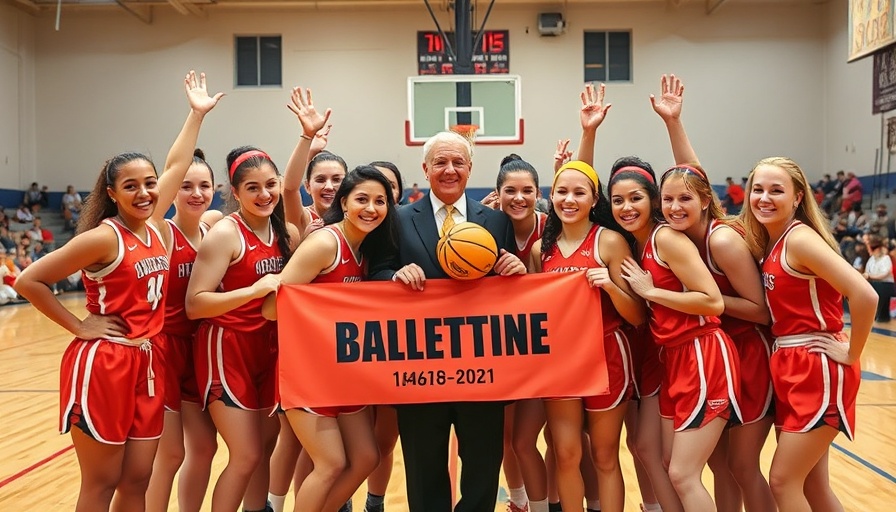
<point x="40" y="250"/>
<point x="734" y="197"/>
<point x="71" y="207"/>
<point x="23" y="214"/>
<point x="11" y="270"/>
<point x="32" y="198"/>
<point x="7" y="293"/>
<point x="880" y="224"/>
<point x="832" y="198"/>
<point x="7" y="242"/>
<point x="852" y="192"/>
<point x="541" y="203"/>
<point x="879" y="272"/>
<point x="823" y="186"/>
<point x="861" y="256"/>
<point x="4" y="220"/>
<point x="415" y="195"/>
<point x="71" y="283"/>
<point x="38" y="233"/>
<point x="23" y="257"/>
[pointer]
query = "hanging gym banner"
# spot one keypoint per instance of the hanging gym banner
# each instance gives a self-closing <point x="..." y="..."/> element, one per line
<point x="495" y="338"/>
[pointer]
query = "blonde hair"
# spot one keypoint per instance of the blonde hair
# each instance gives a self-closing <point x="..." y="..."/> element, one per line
<point x="807" y="211"/>
<point x="699" y="185"/>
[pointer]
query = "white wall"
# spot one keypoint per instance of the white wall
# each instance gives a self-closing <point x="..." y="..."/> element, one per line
<point x="17" y="124"/>
<point x="852" y="133"/>
<point x="755" y="76"/>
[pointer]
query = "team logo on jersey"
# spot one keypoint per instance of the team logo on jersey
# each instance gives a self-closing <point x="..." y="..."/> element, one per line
<point x="768" y="280"/>
<point x="345" y="260"/>
<point x="717" y="403"/>
<point x="272" y="265"/>
<point x="585" y="252"/>
<point x="132" y="247"/>
<point x="151" y="265"/>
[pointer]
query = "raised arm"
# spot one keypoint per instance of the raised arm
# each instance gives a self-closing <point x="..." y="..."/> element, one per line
<point x="562" y="154"/>
<point x="311" y="122"/>
<point x="668" y="107"/>
<point x="592" y="115"/>
<point x="180" y="156"/>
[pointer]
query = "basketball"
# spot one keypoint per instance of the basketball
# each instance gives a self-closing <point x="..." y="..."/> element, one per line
<point x="467" y="251"/>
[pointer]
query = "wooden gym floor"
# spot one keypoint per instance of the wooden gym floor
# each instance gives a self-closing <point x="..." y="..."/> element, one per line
<point x="38" y="468"/>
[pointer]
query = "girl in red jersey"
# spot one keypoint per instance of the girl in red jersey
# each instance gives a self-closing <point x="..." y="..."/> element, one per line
<point x="340" y="440"/>
<point x="698" y="394"/>
<point x="125" y="267"/>
<point x="185" y="421"/>
<point x="580" y="235"/>
<point x="815" y="365"/>
<point x="691" y="207"/>
<point x="236" y="348"/>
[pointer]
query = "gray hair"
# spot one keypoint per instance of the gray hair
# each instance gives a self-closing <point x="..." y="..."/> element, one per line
<point x="449" y="138"/>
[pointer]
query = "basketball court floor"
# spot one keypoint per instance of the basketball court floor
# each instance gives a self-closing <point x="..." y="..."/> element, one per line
<point x="39" y="471"/>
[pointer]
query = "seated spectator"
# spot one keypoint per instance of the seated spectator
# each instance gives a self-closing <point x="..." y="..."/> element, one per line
<point x="44" y="196"/>
<point x="4" y="220"/>
<point x="7" y="293"/>
<point x="71" y="206"/>
<point x="71" y="283"/>
<point x="734" y="198"/>
<point x="7" y="242"/>
<point x="861" y="256"/>
<point x="38" y="233"/>
<point x="856" y="220"/>
<point x="880" y="223"/>
<point x="833" y="194"/>
<point x="40" y="250"/>
<point x="879" y="272"/>
<point x="23" y="214"/>
<point x="23" y="257"/>
<point x="32" y="198"/>
<point x="416" y="194"/>
<point x="11" y="271"/>
<point x="852" y="192"/>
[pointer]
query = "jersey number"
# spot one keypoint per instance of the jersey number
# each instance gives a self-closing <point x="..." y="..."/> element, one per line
<point x="154" y="290"/>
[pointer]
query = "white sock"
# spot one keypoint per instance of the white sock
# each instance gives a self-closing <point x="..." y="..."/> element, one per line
<point x="538" y="506"/>
<point x="518" y="497"/>
<point x="276" y="502"/>
<point x="653" y="507"/>
<point x="592" y="504"/>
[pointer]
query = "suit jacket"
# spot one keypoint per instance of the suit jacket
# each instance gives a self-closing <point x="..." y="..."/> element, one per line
<point x="418" y="237"/>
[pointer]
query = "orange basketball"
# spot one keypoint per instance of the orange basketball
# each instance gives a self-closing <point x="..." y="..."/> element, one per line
<point x="467" y="251"/>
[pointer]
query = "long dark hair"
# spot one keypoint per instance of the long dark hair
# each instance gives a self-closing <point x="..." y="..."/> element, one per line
<point x="383" y="240"/>
<point x="394" y="168"/>
<point x="278" y="222"/>
<point x="600" y="214"/>
<point x="98" y="205"/>
<point x="619" y="172"/>
<point x="515" y="163"/>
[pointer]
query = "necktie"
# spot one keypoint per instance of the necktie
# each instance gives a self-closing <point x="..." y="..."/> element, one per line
<point x="448" y="223"/>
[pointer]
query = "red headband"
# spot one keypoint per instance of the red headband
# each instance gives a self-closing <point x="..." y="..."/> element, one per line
<point x="245" y="156"/>
<point x="686" y="169"/>
<point x="637" y="170"/>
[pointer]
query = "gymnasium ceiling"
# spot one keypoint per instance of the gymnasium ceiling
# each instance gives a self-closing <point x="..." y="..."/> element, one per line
<point x="142" y="8"/>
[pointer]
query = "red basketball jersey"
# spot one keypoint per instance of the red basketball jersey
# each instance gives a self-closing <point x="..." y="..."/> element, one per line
<point x="257" y="258"/>
<point x="312" y="212"/>
<point x="523" y="252"/>
<point x="345" y="268"/>
<point x="799" y="303"/>
<point x="132" y="286"/>
<point x="585" y="256"/>
<point x="668" y="325"/>
<point x="731" y="325"/>
<point x="182" y="254"/>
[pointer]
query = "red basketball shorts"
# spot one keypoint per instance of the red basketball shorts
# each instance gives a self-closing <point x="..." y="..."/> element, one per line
<point x="753" y="348"/>
<point x="701" y="381"/>
<point x="649" y="367"/>
<point x="619" y="373"/>
<point x="811" y="390"/>
<point x="236" y="367"/>
<point x="108" y="390"/>
<point x="174" y="352"/>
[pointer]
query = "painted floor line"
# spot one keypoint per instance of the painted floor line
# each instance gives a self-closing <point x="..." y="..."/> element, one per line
<point x="36" y="465"/>
<point x="864" y="462"/>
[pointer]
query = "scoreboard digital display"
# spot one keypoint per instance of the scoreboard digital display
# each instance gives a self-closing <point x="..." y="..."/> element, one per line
<point x="491" y="56"/>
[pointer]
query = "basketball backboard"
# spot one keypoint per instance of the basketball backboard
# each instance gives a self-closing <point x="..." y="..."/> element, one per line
<point x="493" y="108"/>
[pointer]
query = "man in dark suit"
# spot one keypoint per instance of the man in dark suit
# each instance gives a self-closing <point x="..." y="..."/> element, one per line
<point x="425" y="428"/>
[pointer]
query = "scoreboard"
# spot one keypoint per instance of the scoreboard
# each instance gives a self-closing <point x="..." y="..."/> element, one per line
<point x="491" y="56"/>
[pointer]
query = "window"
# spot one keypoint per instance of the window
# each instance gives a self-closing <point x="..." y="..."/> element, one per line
<point x="608" y="56"/>
<point x="258" y="61"/>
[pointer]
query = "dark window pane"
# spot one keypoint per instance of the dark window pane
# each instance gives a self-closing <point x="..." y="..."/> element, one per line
<point x="271" y="56"/>
<point x="246" y="61"/>
<point x="620" y="51"/>
<point x="595" y="56"/>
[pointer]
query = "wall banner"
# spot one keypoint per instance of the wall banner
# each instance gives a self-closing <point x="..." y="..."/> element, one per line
<point x="496" y="338"/>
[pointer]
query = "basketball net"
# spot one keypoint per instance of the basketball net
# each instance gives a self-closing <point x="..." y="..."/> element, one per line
<point x="468" y="131"/>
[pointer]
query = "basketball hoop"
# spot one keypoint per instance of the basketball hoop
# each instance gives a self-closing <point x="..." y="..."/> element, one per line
<point x="468" y="131"/>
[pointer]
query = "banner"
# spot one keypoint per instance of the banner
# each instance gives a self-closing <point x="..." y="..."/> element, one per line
<point x="883" y="80"/>
<point x="870" y="26"/>
<point x="496" y="338"/>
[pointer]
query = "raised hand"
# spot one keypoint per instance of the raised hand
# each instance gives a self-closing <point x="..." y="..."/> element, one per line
<point x="593" y="109"/>
<point x="492" y="201"/>
<point x="319" y="143"/>
<point x="669" y="105"/>
<point x="303" y="107"/>
<point x="562" y="155"/>
<point x="197" y="93"/>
